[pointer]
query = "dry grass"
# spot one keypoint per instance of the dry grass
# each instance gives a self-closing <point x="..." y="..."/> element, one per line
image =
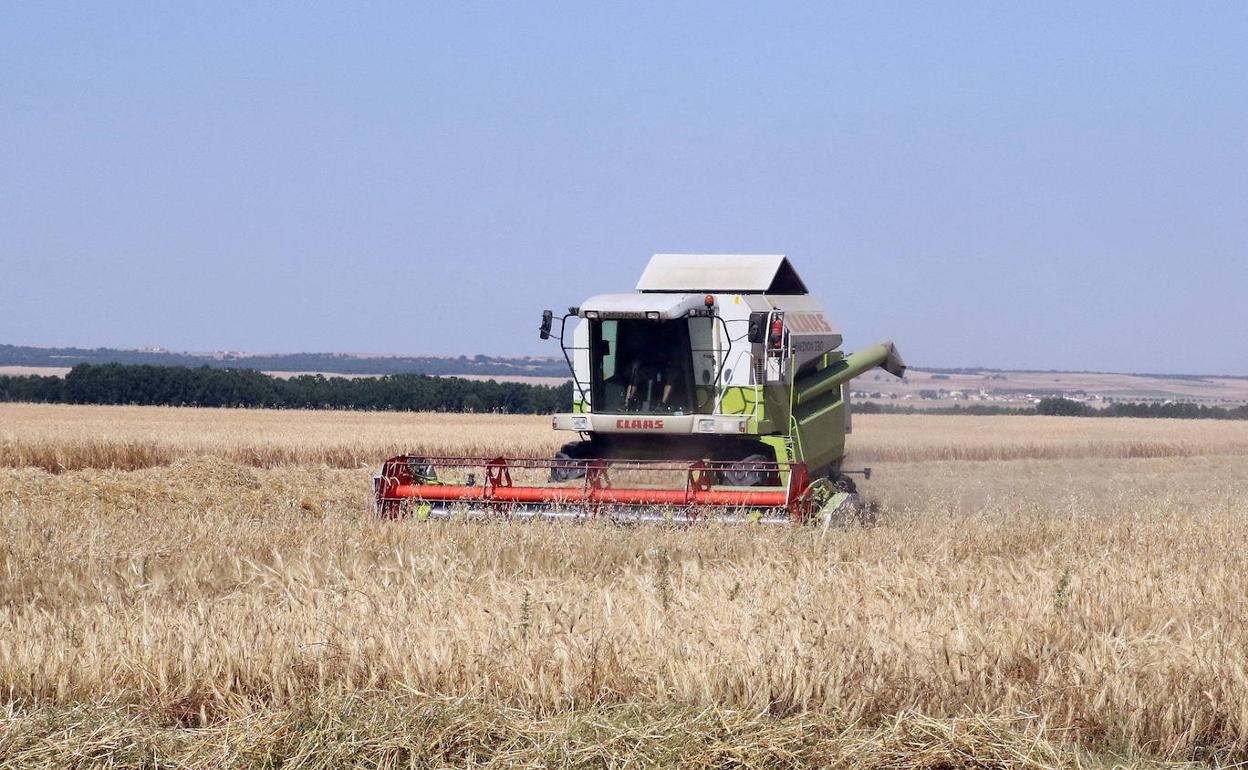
<point x="398" y="729"/>
<point x="920" y="438"/>
<point x="218" y="612"/>
<point x="67" y="438"/>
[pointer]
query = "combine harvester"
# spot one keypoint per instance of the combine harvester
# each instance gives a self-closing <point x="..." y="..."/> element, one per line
<point x="716" y="390"/>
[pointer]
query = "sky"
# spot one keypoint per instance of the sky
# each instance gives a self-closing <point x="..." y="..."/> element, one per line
<point x="1045" y="186"/>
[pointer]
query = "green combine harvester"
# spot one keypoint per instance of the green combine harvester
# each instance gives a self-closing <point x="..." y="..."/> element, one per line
<point x="716" y="390"/>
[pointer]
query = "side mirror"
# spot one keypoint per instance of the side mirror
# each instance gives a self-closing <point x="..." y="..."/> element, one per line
<point x="758" y="327"/>
<point x="548" y="318"/>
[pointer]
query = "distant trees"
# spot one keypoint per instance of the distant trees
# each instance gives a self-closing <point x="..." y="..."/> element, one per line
<point x="208" y="386"/>
<point x="205" y="386"/>
<point x="1170" y="409"/>
<point x="18" y="355"/>
<point x="874" y="407"/>
<point x="32" y="388"/>
<point x="1176" y="410"/>
<point x="1063" y="407"/>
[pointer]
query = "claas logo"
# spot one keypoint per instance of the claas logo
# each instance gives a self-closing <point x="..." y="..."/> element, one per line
<point x="639" y="424"/>
<point x="809" y="323"/>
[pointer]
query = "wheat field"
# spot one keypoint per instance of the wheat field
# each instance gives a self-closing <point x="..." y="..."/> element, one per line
<point x="209" y="588"/>
<point x="60" y="438"/>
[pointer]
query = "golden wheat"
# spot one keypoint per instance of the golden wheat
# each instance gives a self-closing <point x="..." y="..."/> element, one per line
<point x="403" y="730"/>
<point x="67" y="438"/>
<point x="1096" y="594"/>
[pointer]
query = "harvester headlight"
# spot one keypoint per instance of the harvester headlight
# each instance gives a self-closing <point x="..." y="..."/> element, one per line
<point x="580" y="423"/>
<point x="742" y="425"/>
<point x="706" y="426"/>
<point x="652" y="315"/>
<point x="591" y="314"/>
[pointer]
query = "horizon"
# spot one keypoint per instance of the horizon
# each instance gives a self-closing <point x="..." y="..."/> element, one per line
<point x="1054" y="188"/>
<point x="557" y="358"/>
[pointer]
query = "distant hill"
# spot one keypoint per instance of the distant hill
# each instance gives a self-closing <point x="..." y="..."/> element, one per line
<point x="336" y="363"/>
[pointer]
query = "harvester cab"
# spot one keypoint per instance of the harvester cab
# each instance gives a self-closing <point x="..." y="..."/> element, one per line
<point x="719" y="372"/>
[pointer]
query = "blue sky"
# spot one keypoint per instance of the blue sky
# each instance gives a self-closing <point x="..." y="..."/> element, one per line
<point x="1055" y="186"/>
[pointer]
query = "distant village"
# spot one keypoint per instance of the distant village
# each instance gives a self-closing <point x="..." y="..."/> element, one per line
<point x="984" y="395"/>
<point x="920" y="389"/>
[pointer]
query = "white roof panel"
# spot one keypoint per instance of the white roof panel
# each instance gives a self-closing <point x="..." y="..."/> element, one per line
<point x="637" y="305"/>
<point x="736" y="273"/>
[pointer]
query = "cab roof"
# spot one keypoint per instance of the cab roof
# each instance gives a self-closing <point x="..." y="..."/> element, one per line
<point x="723" y="273"/>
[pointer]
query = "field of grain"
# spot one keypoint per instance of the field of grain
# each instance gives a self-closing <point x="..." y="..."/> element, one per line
<point x="208" y="588"/>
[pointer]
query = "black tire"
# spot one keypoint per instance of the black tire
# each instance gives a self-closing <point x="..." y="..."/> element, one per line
<point x="742" y="475"/>
<point x="568" y="463"/>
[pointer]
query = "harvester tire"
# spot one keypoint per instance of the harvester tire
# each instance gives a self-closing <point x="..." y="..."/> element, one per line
<point x="741" y="475"/>
<point x="567" y="463"/>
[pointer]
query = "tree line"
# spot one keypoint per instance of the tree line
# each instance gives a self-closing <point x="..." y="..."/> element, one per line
<point x="20" y="355"/>
<point x="1172" y="409"/>
<point x="147" y="385"/>
<point x="1068" y="408"/>
<point x="211" y="387"/>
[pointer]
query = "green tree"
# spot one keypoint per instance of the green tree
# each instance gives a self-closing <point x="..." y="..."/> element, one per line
<point x="1063" y="407"/>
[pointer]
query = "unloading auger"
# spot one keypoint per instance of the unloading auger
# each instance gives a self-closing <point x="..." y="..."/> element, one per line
<point x="716" y="390"/>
